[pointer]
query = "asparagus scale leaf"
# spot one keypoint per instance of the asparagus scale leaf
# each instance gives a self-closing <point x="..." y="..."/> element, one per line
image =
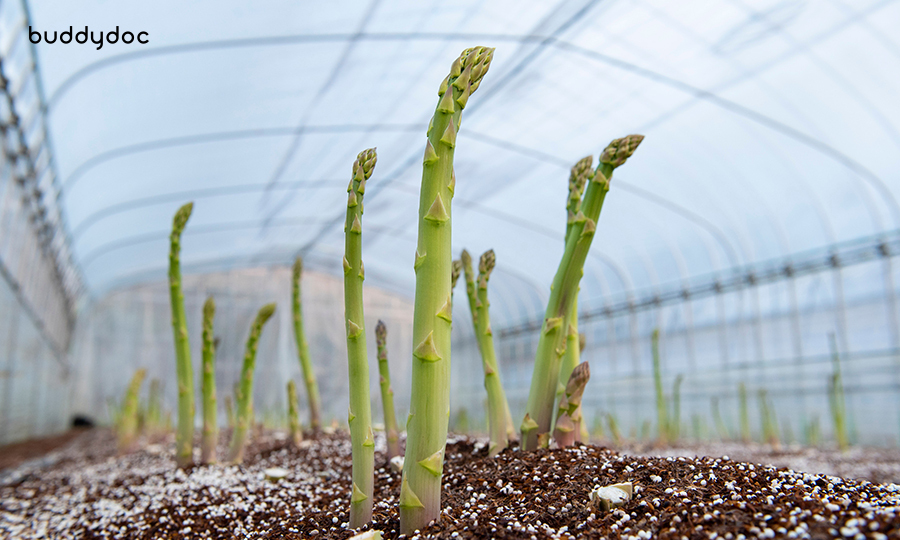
<point x="184" y="436"/>
<point x="208" y="384"/>
<point x="552" y="341"/>
<point x="309" y="374"/>
<point x="360" y="419"/>
<point x="387" y="393"/>
<point x="420" y="492"/>
<point x="244" y="393"/>
<point x="568" y="420"/>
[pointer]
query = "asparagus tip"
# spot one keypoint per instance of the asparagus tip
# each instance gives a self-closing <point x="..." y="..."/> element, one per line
<point x="465" y="258"/>
<point x="265" y="312"/>
<point x="209" y="307"/>
<point x="365" y="163"/>
<point x="181" y="217"/>
<point x="619" y="150"/>
<point x="487" y="262"/>
<point x="380" y="331"/>
<point x="298" y="267"/>
<point x="455" y="271"/>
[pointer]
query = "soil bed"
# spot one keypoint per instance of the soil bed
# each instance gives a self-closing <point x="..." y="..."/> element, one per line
<point x="85" y="491"/>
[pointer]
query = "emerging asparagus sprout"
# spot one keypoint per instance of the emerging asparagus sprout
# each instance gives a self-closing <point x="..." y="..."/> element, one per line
<point x="768" y="420"/>
<point x="387" y="393"/>
<point x="420" y="492"/>
<point x="473" y="294"/>
<point x="128" y="416"/>
<point x="210" y="413"/>
<point x="309" y="374"/>
<point x="244" y="394"/>
<point x="744" y="413"/>
<point x="721" y="428"/>
<point x="674" y="419"/>
<point x="662" y="421"/>
<point x="184" y="437"/>
<point x="570" y="406"/>
<point x="293" y="418"/>
<point x="154" y="409"/>
<point x="498" y="407"/>
<point x="552" y="341"/>
<point x="836" y="398"/>
<point x="360" y="419"/>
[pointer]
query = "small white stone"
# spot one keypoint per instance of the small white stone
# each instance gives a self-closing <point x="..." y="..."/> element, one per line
<point x="275" y="474"/>
<point x="397" y="464"/>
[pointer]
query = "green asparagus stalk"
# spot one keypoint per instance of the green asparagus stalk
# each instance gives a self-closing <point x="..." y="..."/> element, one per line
<point x="836" y="398"/>
<point x="498" y="406"/>
<point x="552" y="341"/>
<point x="662" y="422"/>
<point x="674" y="420"/>
<point x="184" y="437"/>
<point x="293" y="418"/>
<point x="244" y="395"/>
<point x="420" y="493"/>
<point x="472" y="293"/>
<point x="361" y="438"/>
<point x="229" y="411"/>
<point x="309" y="374"/>
<point x="721" y="428"/>
<point x="210" y="416"/>
<point x="744" y="413"/>
<point x="128" y="419"/>
<point x="387" y="393"/>
<point x="570" y="404"/>
<point x="581" y="430"/>
<point x="154" y="408"/>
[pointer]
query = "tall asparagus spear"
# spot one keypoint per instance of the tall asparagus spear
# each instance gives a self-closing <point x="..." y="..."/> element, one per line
<point x="210" y="416"/>
<point x="420" y="492"/>
<point x="244" y="394"/>
<point x="472" y="293"/>
<point x="293" y="419"/>
<point x="497" y="404"/>
<point x="569" y="406"/>
<point x="128" y="417"/>
<point x="387" y="393"/>
<point x="184" y="437"/>
<point x="361" y="438"/>
<point x="309" y="374"/>
<point x="552" y="341"/>
<point x="578" y="178"/>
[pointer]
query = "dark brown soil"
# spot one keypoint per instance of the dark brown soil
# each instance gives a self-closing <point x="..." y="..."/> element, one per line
<point x="89" y="492"/>
<point x="14" y="454"/>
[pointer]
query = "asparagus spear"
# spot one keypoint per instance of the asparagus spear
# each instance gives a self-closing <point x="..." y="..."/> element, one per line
<point x="387" y="393"/>
<point x="210" y="419"/>
<point x="497" y="404"/>
<point x="455" y="271"/>
<point x="244" y="393"/>
<point x="578" y="178"/>
<point x="309" y="375"/>
<point x="420" y="493"/>
<point x="662" y="419"/>
<point x="552" y="341"/>
<point x="184" y="437"/>
<point x="570" y="406"/>
<point x="128" y="418"/>
<point x="293" y="419"/>
<point x="362" y="440"/>
<point x="154" y="408"/>
<point x="474" y="302"/>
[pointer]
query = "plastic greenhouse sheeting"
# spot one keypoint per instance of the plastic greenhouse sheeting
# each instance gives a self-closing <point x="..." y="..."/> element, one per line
<point x="772" y="141"/>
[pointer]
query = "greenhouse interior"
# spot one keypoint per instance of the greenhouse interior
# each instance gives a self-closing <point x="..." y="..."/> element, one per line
<point x="203" y="336"/>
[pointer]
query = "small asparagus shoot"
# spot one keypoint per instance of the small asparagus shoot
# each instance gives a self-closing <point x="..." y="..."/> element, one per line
<point x="420" y="491"/>
<point x="309" y="374"/>
<point x="662" y="422"/>
<point x="210" y="412"/>
<point x="360" y="419"/>
<point x="570" y="405"/>
<point x="552" y="340"/>
<point x="743" y="413"/>
<point x="836" y="400"/>
<point x="184" y="437"/>
<point x="387" y="393"/>
<point x="244" y="395"/>
<point x="128" y="417"/>
<point x="498" y="407"/>
<point x="293" y="418"/>
<point x="154" y="408"/>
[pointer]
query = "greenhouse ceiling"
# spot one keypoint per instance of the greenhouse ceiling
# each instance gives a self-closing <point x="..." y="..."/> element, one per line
<point x="771" y="129"/>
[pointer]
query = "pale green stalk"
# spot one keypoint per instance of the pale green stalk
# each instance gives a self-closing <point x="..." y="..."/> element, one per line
<point x="387" y="393"/>
<point x="244" y="394"/>
<point x="309" y="374"/>
<point x="210" y="413"/>
<point x="293" y="417"/>
<point x="836" y="398"/>
<point x="662" y="422"/>
<point x="744" y="413"/>
<point x="674" y="420"/>
<point x="426" y="428"/>
<point x="614" y="429"/>
<point x="128" y="418"/>
<point x="498" y="407"/>
<point x="717" y="419"/>
<point x="154" y="408"/>
<point x="360" y="419"/>
<point x="184" y="437"/>
<point x="552" y="341"/>
<point x="229" y="411"/>
<point x="570" y="404"/>
<point x="581" y="431"/>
